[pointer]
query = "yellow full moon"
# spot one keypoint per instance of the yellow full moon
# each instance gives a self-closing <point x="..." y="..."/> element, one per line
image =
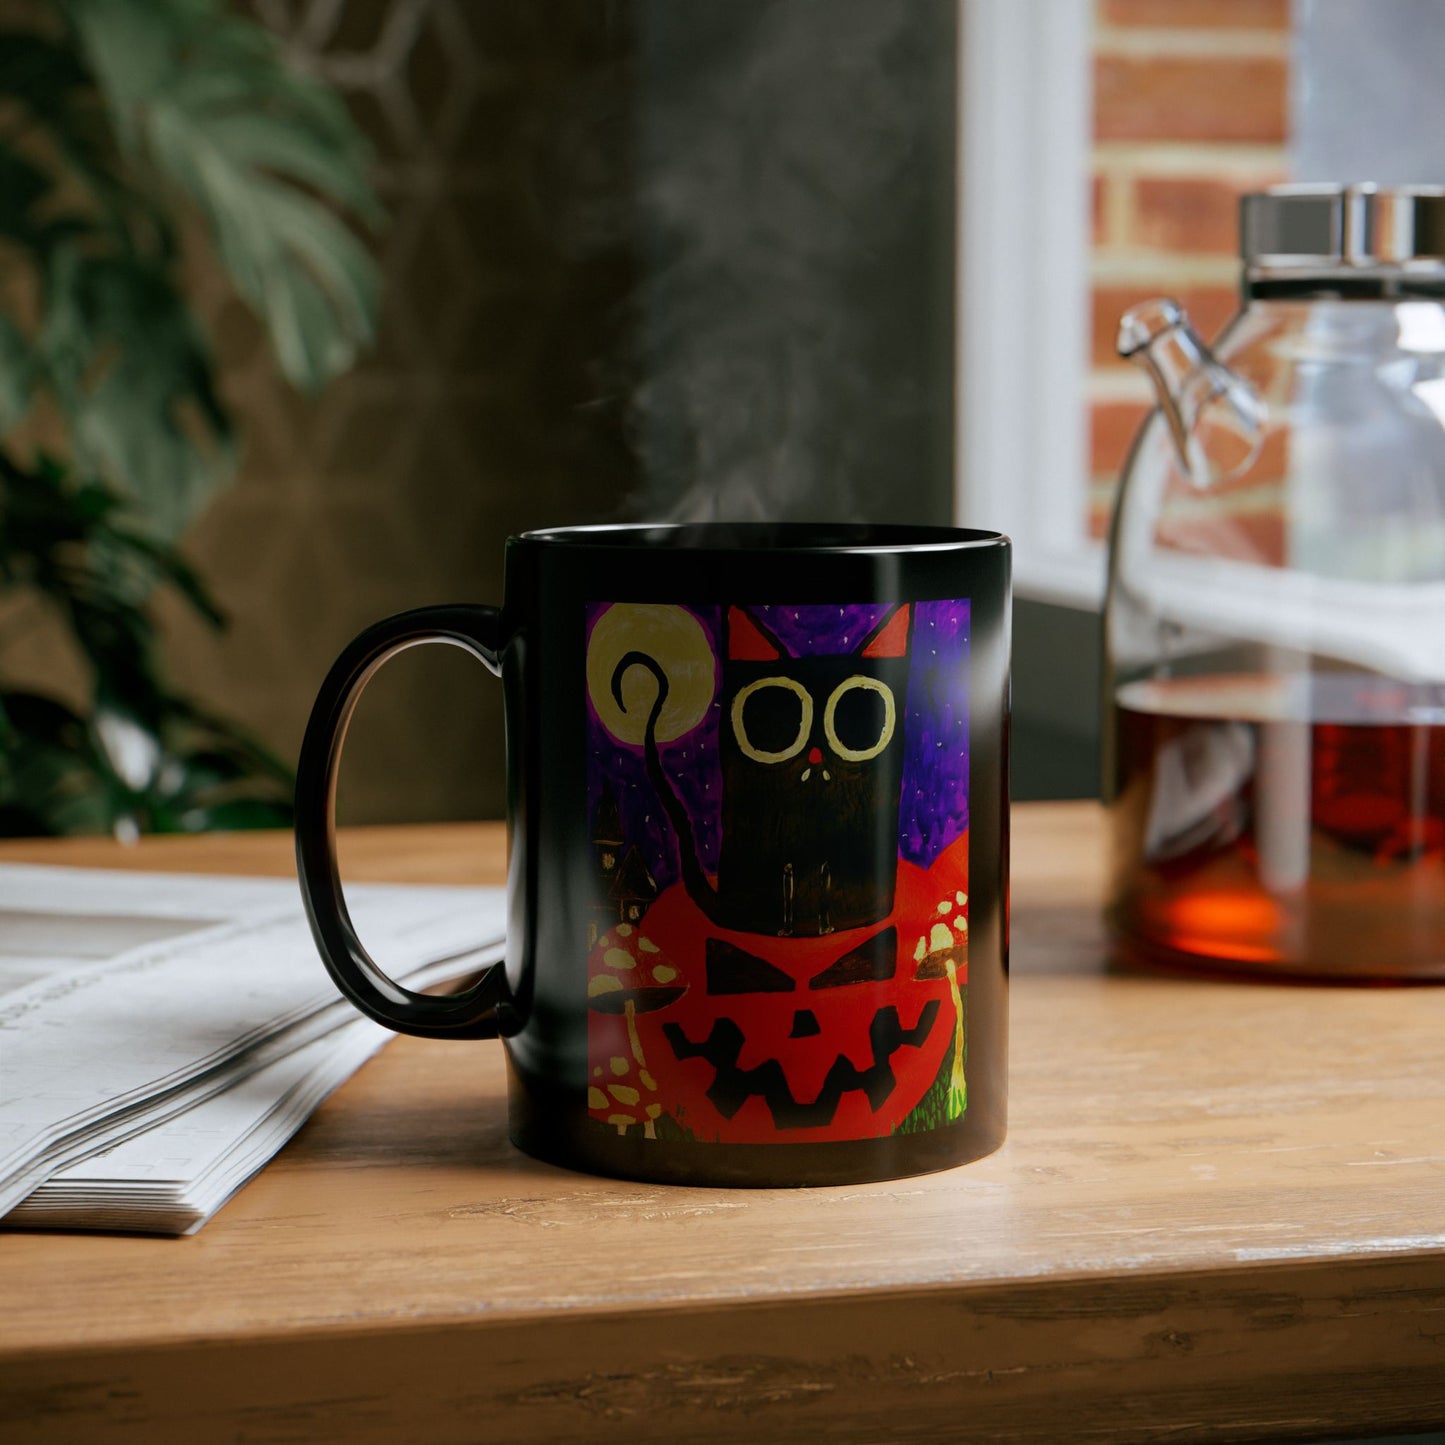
<point x="675" y="639"/>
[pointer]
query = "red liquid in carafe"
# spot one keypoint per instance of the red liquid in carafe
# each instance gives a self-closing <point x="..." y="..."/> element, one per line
<point x="1285" y="825"/>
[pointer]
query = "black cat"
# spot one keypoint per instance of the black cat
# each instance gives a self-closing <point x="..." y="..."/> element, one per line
<point x="812" y="762"/>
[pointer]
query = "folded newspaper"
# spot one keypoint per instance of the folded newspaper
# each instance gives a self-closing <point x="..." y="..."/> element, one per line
<point x="161" y="1036"/>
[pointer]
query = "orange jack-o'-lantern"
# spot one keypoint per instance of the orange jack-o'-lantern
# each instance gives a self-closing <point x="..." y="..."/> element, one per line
<point x="748" y="1038"/>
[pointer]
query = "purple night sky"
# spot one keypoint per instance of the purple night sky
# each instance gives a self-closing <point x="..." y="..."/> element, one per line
<point x="933" y="809"/>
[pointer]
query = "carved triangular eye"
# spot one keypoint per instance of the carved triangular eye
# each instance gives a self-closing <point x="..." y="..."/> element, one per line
<point x="731" y="969"/>
<point x="868" y="963"/>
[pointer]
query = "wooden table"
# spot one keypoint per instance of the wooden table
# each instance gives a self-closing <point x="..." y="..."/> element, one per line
<point x="1220" y="1213"/>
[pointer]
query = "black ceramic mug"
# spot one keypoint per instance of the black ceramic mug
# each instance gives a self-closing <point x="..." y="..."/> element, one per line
<point x="758" y="877"/>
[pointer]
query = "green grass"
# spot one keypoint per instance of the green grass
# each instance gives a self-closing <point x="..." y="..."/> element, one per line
<point x="942" y="1104"/>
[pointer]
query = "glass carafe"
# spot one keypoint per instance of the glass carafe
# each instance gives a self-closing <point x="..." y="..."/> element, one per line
<point x="1275" y="624"/>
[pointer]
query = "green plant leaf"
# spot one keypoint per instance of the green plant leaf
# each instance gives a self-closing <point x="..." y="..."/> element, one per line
<point x="60" y="773"/>
<point x="225" y="745"/>
<point x="74" y="547"/>
<point x="111" y="118"/>
<point x="49" y="783"/>
<point x="134" y="377"/>
<point x="22" y="186"/>
<point x="17" y="371"/>
<point x="169" y="566"/>
<point x="263" y="151"/>
<point x="54" y="95"/>
<point x="38" y="72"/>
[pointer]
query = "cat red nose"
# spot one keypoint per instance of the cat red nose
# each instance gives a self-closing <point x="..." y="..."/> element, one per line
<point x="815" y="756"/>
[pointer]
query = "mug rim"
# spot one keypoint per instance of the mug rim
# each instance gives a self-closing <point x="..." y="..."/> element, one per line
<point x="792" y="538"/>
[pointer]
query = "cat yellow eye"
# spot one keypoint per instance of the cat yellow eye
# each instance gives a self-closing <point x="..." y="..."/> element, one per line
<point x="860" y="725"/>
<point x="791" y="749"/>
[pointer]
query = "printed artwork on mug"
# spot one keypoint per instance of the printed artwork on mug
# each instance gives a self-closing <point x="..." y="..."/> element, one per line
<point x="778" y="799"/>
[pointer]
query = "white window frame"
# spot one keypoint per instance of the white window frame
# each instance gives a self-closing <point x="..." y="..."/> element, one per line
<point x="1025" y="120"/>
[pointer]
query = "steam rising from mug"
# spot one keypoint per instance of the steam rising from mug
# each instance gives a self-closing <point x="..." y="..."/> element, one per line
<point x="789" y="346"/>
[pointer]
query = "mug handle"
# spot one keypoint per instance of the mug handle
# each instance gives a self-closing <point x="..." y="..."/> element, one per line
<point x="471" y="1014"/>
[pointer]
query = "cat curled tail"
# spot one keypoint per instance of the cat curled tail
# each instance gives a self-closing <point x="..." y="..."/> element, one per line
<point x="699" y="888"/>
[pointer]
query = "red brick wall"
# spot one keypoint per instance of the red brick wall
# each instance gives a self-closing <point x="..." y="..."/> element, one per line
<point x="1190" y="110"/>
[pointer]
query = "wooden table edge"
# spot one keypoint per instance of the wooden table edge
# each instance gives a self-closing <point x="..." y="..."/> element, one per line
<point x="1024" y="1355"/>
<point x="1183" y="1280"/>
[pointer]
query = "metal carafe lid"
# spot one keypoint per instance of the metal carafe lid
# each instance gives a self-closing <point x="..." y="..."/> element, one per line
<point x="1328" y="227"/>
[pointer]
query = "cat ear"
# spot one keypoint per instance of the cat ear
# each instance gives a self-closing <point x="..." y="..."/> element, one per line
<point x="749" y="640"/>
<point x="890" y="637"/>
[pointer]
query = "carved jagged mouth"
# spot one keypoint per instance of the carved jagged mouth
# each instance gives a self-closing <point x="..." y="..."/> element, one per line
<point x="733" y="1087"/>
